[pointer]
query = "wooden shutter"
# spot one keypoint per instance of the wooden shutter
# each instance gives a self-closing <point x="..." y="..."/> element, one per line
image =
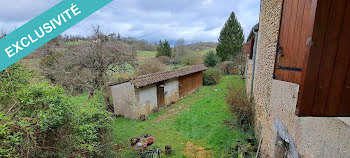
<point x="325" y="79"/>
<point x="293" y="34"/>
<point x="251" y="47"/>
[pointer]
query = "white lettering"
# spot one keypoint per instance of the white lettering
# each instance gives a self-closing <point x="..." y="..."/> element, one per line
<point x="25" y="45"/>
<point x="8" y="51"/>
<point x="59" y="22"/>
<point x="47" y="28"/>
<point x="42" y="33"/>
<point x="31" y="39"/>
<point x="74" y="9"/>
<point x="64" y="19"/>
<point x="17" y="47"/>
<point x="67" y="13"/>
<point x="53" y="25"/>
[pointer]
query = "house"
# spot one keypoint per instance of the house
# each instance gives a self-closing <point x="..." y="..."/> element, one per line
<point x="301" y="86"/>
<point x="140" y="96"/>
<point x="249" y="50"/>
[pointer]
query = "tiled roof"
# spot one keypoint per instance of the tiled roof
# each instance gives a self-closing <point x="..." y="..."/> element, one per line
<point x="144" y="80"/>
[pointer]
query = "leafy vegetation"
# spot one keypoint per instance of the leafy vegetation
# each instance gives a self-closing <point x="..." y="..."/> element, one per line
<point x="191" y="58"/>
<point x="212" y="76"/>
<point x="196" y="125"/>
<point x="231" y="39"/>
<point x="150" y="66"/>
<point x="211" y="59"/>
<point x="241" y="106"/>
<point x="39" y="120"/>
<point x="146" y="54"/>
<point x="163" y="49"/>
<point x="228" y="67"/>
<point x="84" y="67"/>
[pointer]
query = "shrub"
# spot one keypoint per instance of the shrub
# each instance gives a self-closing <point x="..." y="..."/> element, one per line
<point x="150" y="66"/>
<point x="191" y="59"/>
<point x="165" y="60"/>
<point x="241" y="106"/>
<point x="211" y="59"/>
<point x="212" y="76"/>
<point x="39" y="119"/>
<point x="228" y="68"/>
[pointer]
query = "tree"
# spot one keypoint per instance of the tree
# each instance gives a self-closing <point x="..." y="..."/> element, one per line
<point x="2" y="34"/>
<point x="179" y="49"/>
<point x="167" y="49"/>
<point x="231" y="39"/>
<point x="163" y="49"/>
<point x="85" y="67"/>
<point x="160" y="49"/>
<point x="211" y="59"/>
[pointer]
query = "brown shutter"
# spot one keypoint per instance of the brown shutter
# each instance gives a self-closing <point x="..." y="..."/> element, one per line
<point x="325" y="80"/>
<point x="313" y="51"/>
<point x="251" y="47"/>
<point x="291" y="47"/>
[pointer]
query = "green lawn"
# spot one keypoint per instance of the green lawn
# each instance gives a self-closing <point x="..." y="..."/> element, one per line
<point x="194" y="126"/>
<point x="173" y="67"/>
<point x="146" y="54"/>
<point x="205" y="52"/>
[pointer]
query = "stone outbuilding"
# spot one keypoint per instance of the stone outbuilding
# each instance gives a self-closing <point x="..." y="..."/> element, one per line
<point x="140" y="96"/>
<point x="302" y="78"/>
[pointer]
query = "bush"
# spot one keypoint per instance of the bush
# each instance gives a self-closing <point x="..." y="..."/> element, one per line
<point x="211" y="59"/>
<point x="165" y="60"/>
<point x="241" y="107"/>
<point x="228" y="68"/>
<point x="212" y="76"/>
<point x="39" y="119"/>
<point x="150" y="66"/>
<point x="191" y="59"/>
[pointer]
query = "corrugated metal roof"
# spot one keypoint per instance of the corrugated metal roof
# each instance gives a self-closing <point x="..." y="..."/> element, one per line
<point x="144" y="80"/>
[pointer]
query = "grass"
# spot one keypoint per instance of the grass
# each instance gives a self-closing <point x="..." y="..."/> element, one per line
<point x="70" y="43"/>
<point x="194" y="125"/>
<point x="174" y="67"/>
<point x="31" y="64"/>
<point x="146" y="54"/>
<point x="205" y="52"/>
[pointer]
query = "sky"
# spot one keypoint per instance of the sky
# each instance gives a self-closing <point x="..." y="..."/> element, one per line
<point x="151" y="20"/>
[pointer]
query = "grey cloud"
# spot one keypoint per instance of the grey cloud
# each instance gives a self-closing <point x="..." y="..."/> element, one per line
<point x="193" y="20"/>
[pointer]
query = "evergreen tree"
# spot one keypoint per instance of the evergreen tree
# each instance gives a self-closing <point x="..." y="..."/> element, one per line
<point x="231" y="39"/>
<point x="160" y="49"/>
<point x="167" y="49"/>
<point x="163" y="49"/>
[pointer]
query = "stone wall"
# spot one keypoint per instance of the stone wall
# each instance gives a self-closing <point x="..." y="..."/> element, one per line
<point x="264" y="65"/>
<point x="171" y="91"/>
<point x="249" y="75"/>
<point x="124" y="100"/>
<point x="147" y="98"/>
<point x="275" y="101"/>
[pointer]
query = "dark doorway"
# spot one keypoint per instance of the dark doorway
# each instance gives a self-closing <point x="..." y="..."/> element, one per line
<point x="160" y="94"/>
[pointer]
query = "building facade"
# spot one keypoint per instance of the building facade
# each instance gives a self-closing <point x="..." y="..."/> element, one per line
<point x="301" y="79"/>
<point x="142" y="95"/>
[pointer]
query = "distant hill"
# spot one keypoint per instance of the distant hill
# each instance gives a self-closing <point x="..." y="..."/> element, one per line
<point x="200" y="46"/>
